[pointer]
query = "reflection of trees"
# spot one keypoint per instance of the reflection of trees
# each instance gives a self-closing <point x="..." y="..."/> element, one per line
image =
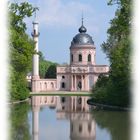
<point x="117" y="123"/>
<point x="19" y="122"/>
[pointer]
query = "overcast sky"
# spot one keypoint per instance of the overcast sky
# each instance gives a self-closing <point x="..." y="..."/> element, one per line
<point x="59" y="21"/>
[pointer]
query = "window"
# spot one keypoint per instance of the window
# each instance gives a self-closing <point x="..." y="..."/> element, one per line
<point x="63" y="108"/>
<point x="63" y="99"/>
<point x="89" y="58"/>
<point x="89" y="127"/>
<point x="52" y="85"/>
<point x="34" y="32"/>
<point x="63" y="77"/>
<point x="80" y="100"/>
<point x="80" y="128"/>
<point x="80" y="57"/>
<point x="63" y="85"/>
<point x="71" y="57"/>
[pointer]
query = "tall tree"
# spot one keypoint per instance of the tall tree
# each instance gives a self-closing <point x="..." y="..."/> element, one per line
<point x="118" y="48"/>
<point x="21" y="48"/>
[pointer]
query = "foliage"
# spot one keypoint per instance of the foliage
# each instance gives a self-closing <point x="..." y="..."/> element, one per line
<point x="118" y="48"/>
<point x="116" y="123"/>
<point x="47" y="69"/>
<point x="19" y="122"/>
<point x="21" y="49"/>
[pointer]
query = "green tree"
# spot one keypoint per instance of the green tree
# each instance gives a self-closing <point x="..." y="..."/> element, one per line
<point x="21" y="49"/>
<point x="47" y="69"/>
<point x="118" y="48"/>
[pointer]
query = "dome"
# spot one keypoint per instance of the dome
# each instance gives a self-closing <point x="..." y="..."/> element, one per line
<point x="82" y="38"/>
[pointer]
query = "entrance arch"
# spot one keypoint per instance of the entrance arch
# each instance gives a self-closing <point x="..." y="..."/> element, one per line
<point x="79" y="85"/>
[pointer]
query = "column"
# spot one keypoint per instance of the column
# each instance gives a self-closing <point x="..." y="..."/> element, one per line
<point x="82" y="83"/>
<point x="75" y="83"/>
<point x="71" y="82"/>
<point x="87" y="82"/>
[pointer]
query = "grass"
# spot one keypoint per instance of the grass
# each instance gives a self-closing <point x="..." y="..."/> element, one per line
<point x="63" y="93"/>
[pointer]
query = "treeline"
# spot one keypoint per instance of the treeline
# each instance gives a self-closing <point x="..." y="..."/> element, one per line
<point x="115" y="88"/>
<point x="21" y="48"/>
<point x="47" y="69"/>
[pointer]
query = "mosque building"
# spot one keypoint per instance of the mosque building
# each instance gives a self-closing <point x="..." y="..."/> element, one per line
<point x="82" y="72"/>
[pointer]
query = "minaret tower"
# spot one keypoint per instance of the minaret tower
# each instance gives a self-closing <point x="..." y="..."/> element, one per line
<point x="35" y="62"/>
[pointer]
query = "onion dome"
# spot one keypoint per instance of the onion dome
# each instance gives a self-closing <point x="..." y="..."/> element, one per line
<point x="82" y="38"/>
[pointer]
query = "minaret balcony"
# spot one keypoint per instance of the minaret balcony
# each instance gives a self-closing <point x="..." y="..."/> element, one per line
<point x="35" y="34"/>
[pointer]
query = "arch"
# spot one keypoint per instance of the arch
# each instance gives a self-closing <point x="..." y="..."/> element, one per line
<point x="63" y="85"/>
<point x="80" y="128"/>
<point x="80" y="57"/>
<point x="45" y="84"/>
<point x="52" y="100"/>
<point x="89" y="127"/>
<point x="63" y="99"/>
<point x="52" y="85"/>
<point x="80" y="100"/>
<point x="89" y="57"/>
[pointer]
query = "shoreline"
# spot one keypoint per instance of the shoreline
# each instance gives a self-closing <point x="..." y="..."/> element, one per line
<point x="107" y="107"/>
<point x="19" y="101"/>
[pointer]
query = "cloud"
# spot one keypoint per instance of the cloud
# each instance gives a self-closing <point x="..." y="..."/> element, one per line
<point x="62" y="14"/>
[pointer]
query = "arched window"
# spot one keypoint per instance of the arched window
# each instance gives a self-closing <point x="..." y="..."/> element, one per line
<point x="80" y="128"/>
<point x="89" y="127"/>
<point x="89" y="58"/>
<point x="63" y="77"/>
<point x="52" y="85"/>
<point x="71" y="57"/>
<point x="80" y="58"/>
<point x="63" y="99"/>
<point x="63" y="85"/>
<point x="45" y="84"/>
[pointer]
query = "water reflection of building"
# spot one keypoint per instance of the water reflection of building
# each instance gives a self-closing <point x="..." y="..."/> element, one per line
<point x="73" y="108"/>
<point x="76" y="109"/>
<point x="37" y="102"/>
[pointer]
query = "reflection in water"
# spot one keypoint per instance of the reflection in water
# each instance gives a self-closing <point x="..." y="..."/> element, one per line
<point x="78" y="120"/>
<point x="19" y="122"/>
<point x="117" y="122"/>
<point x="74" y="108"/>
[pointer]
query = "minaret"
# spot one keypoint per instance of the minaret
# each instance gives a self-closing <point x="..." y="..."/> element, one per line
<point x="35" y="62"/>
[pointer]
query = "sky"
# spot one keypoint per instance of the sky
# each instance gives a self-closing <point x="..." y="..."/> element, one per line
<point x="59" y="21"/>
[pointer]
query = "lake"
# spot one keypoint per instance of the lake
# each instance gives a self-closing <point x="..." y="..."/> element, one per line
<point x="66" y="118"/>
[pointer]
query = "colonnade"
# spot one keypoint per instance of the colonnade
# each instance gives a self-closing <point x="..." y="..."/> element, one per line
<point x="75" y="79"/>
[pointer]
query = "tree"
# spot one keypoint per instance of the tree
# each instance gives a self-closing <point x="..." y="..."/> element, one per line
<point x="118" y="48"/>
<point x="47" y="69"/>
<point x="21" y="49"/>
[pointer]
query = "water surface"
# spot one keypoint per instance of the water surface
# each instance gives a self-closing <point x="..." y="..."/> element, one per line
<point x="66" y="118"/>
